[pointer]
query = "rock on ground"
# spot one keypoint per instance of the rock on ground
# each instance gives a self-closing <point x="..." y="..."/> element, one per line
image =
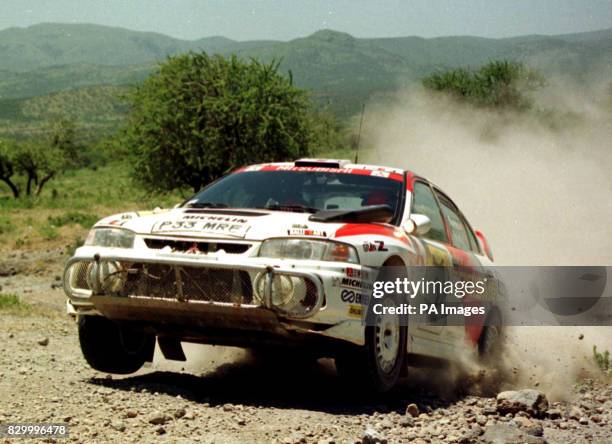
<point x="530" y="401"/>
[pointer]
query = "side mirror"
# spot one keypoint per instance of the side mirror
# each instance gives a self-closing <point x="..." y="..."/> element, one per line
<point x="418" y="224"/>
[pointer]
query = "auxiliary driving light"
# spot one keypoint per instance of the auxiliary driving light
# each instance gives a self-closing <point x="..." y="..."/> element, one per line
<point x="292" y="295"/>
<point x="106" y="277"/>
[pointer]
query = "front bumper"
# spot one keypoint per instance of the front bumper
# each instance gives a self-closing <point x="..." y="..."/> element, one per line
<point x="326" y="316"/>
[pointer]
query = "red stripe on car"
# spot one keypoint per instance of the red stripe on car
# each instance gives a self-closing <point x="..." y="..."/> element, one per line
<point x="372" y="230"/>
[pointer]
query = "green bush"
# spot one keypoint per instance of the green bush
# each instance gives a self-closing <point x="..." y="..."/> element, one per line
<point x="602" y="359"/>
<point x="498" y="84"/>
<point x="199" y="117"/>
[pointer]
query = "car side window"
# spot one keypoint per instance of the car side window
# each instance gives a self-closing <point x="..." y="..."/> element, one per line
<point x="473" y="242"/>
<point x="458" y="230"/>
<point x="425" y="203"/>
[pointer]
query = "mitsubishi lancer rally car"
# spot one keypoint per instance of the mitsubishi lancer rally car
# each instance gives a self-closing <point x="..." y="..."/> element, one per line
<point x="273" y="256"/>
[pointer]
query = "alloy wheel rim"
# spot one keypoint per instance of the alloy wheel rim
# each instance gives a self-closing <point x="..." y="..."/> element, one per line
<point x="387" y="341"/>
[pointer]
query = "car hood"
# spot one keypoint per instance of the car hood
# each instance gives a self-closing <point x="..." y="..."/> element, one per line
<point x="221" y="224"/>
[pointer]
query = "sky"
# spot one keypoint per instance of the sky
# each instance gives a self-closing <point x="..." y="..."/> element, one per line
<point x="288" y="19"/>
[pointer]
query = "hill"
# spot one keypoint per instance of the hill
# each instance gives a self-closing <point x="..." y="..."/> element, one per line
<point x="96" y="110"/>
<point x="341" y="71"/>
<point x="51" y="44"/>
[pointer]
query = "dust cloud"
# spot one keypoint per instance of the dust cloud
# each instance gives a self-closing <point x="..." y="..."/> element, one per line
<point x="540" y="192"/>
<point x="537" y="184"/>
<point x="202" y="359"/>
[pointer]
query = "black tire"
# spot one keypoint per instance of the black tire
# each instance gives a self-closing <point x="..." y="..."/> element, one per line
<point x="378" y="365"/>
<point x="491" y="342"/>
<point x="109" y="348"/>
<point x="362" y="368"/>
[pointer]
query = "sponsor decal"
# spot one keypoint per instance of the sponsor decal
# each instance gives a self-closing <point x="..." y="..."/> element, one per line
<point x="377" y="245"/>
<point x="364" y="170"/>
<point x="354" y="297"/>
<point x="304" y="230"/>
<point x="355" y="311"/>
<point x="214" y="217"/>
<point x="380" y="173"/>
<point x="314" y="169"/>
<point x="352" y="272"/>
<point x="437" y="256"/>
<point x="354" y="283"/>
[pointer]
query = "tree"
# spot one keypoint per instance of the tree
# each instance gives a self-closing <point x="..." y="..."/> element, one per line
<point x="39" y="161"/>
<point x="200" y="116"/>
<point x="62" y="136"/>
<point x="498" y="84"/>
<point x="7" y="166"/>
<point x="329" y="133"/>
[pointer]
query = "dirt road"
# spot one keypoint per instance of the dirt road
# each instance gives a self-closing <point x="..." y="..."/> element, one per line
<point x="225" y="396"/>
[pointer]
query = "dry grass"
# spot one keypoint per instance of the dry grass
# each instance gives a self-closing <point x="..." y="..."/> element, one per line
<point x="12" y="304"/>
<point x="63" y="214"/>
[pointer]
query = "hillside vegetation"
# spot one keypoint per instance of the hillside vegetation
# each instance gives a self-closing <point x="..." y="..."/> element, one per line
<point x="97" y="110"/>
<point x="340" y="70"/>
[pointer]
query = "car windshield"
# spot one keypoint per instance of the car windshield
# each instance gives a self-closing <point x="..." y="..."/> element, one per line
<point x="300" y="191"/>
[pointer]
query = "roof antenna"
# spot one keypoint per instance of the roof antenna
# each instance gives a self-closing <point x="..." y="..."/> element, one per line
<point x="359" y="134"/>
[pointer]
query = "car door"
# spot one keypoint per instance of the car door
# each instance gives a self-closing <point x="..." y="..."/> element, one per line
<point x="467" y="264"/>
<point x="439" y="261"/>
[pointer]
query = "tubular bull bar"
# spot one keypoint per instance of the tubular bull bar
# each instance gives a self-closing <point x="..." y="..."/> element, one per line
<point x="87" y="298"/>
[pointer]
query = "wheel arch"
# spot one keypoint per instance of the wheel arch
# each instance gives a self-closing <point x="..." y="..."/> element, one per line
<point x="394" y="261"/>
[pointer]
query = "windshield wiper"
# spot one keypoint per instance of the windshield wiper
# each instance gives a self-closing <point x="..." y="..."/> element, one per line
<point x="296" y="208"/>
<point x="207" y="205"/>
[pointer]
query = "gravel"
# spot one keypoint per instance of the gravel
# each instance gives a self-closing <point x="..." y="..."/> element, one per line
<point x="237" y="400"/>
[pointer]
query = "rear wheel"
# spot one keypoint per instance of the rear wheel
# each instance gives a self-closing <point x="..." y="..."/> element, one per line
<point x="111" y="348"/>
<point x="490" y="349"/>
<point x="491" y="342"/>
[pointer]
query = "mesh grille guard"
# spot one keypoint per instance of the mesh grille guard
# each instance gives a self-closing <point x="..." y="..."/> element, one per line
<point x="184" y="279"/>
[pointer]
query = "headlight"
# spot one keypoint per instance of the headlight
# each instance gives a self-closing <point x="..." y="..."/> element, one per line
<point x="110" y="237"/>
<point x="317" y="250"/>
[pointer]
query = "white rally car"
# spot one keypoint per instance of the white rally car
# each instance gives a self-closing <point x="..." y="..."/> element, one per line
<point x="275" y="255"/>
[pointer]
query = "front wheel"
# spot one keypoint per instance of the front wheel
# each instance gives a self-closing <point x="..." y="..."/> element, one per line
<point x="377" y="365"/>
<point x="110" y="348"/>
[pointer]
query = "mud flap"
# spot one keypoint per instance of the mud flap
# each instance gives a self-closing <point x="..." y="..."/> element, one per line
<point x="171" y="348"/>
